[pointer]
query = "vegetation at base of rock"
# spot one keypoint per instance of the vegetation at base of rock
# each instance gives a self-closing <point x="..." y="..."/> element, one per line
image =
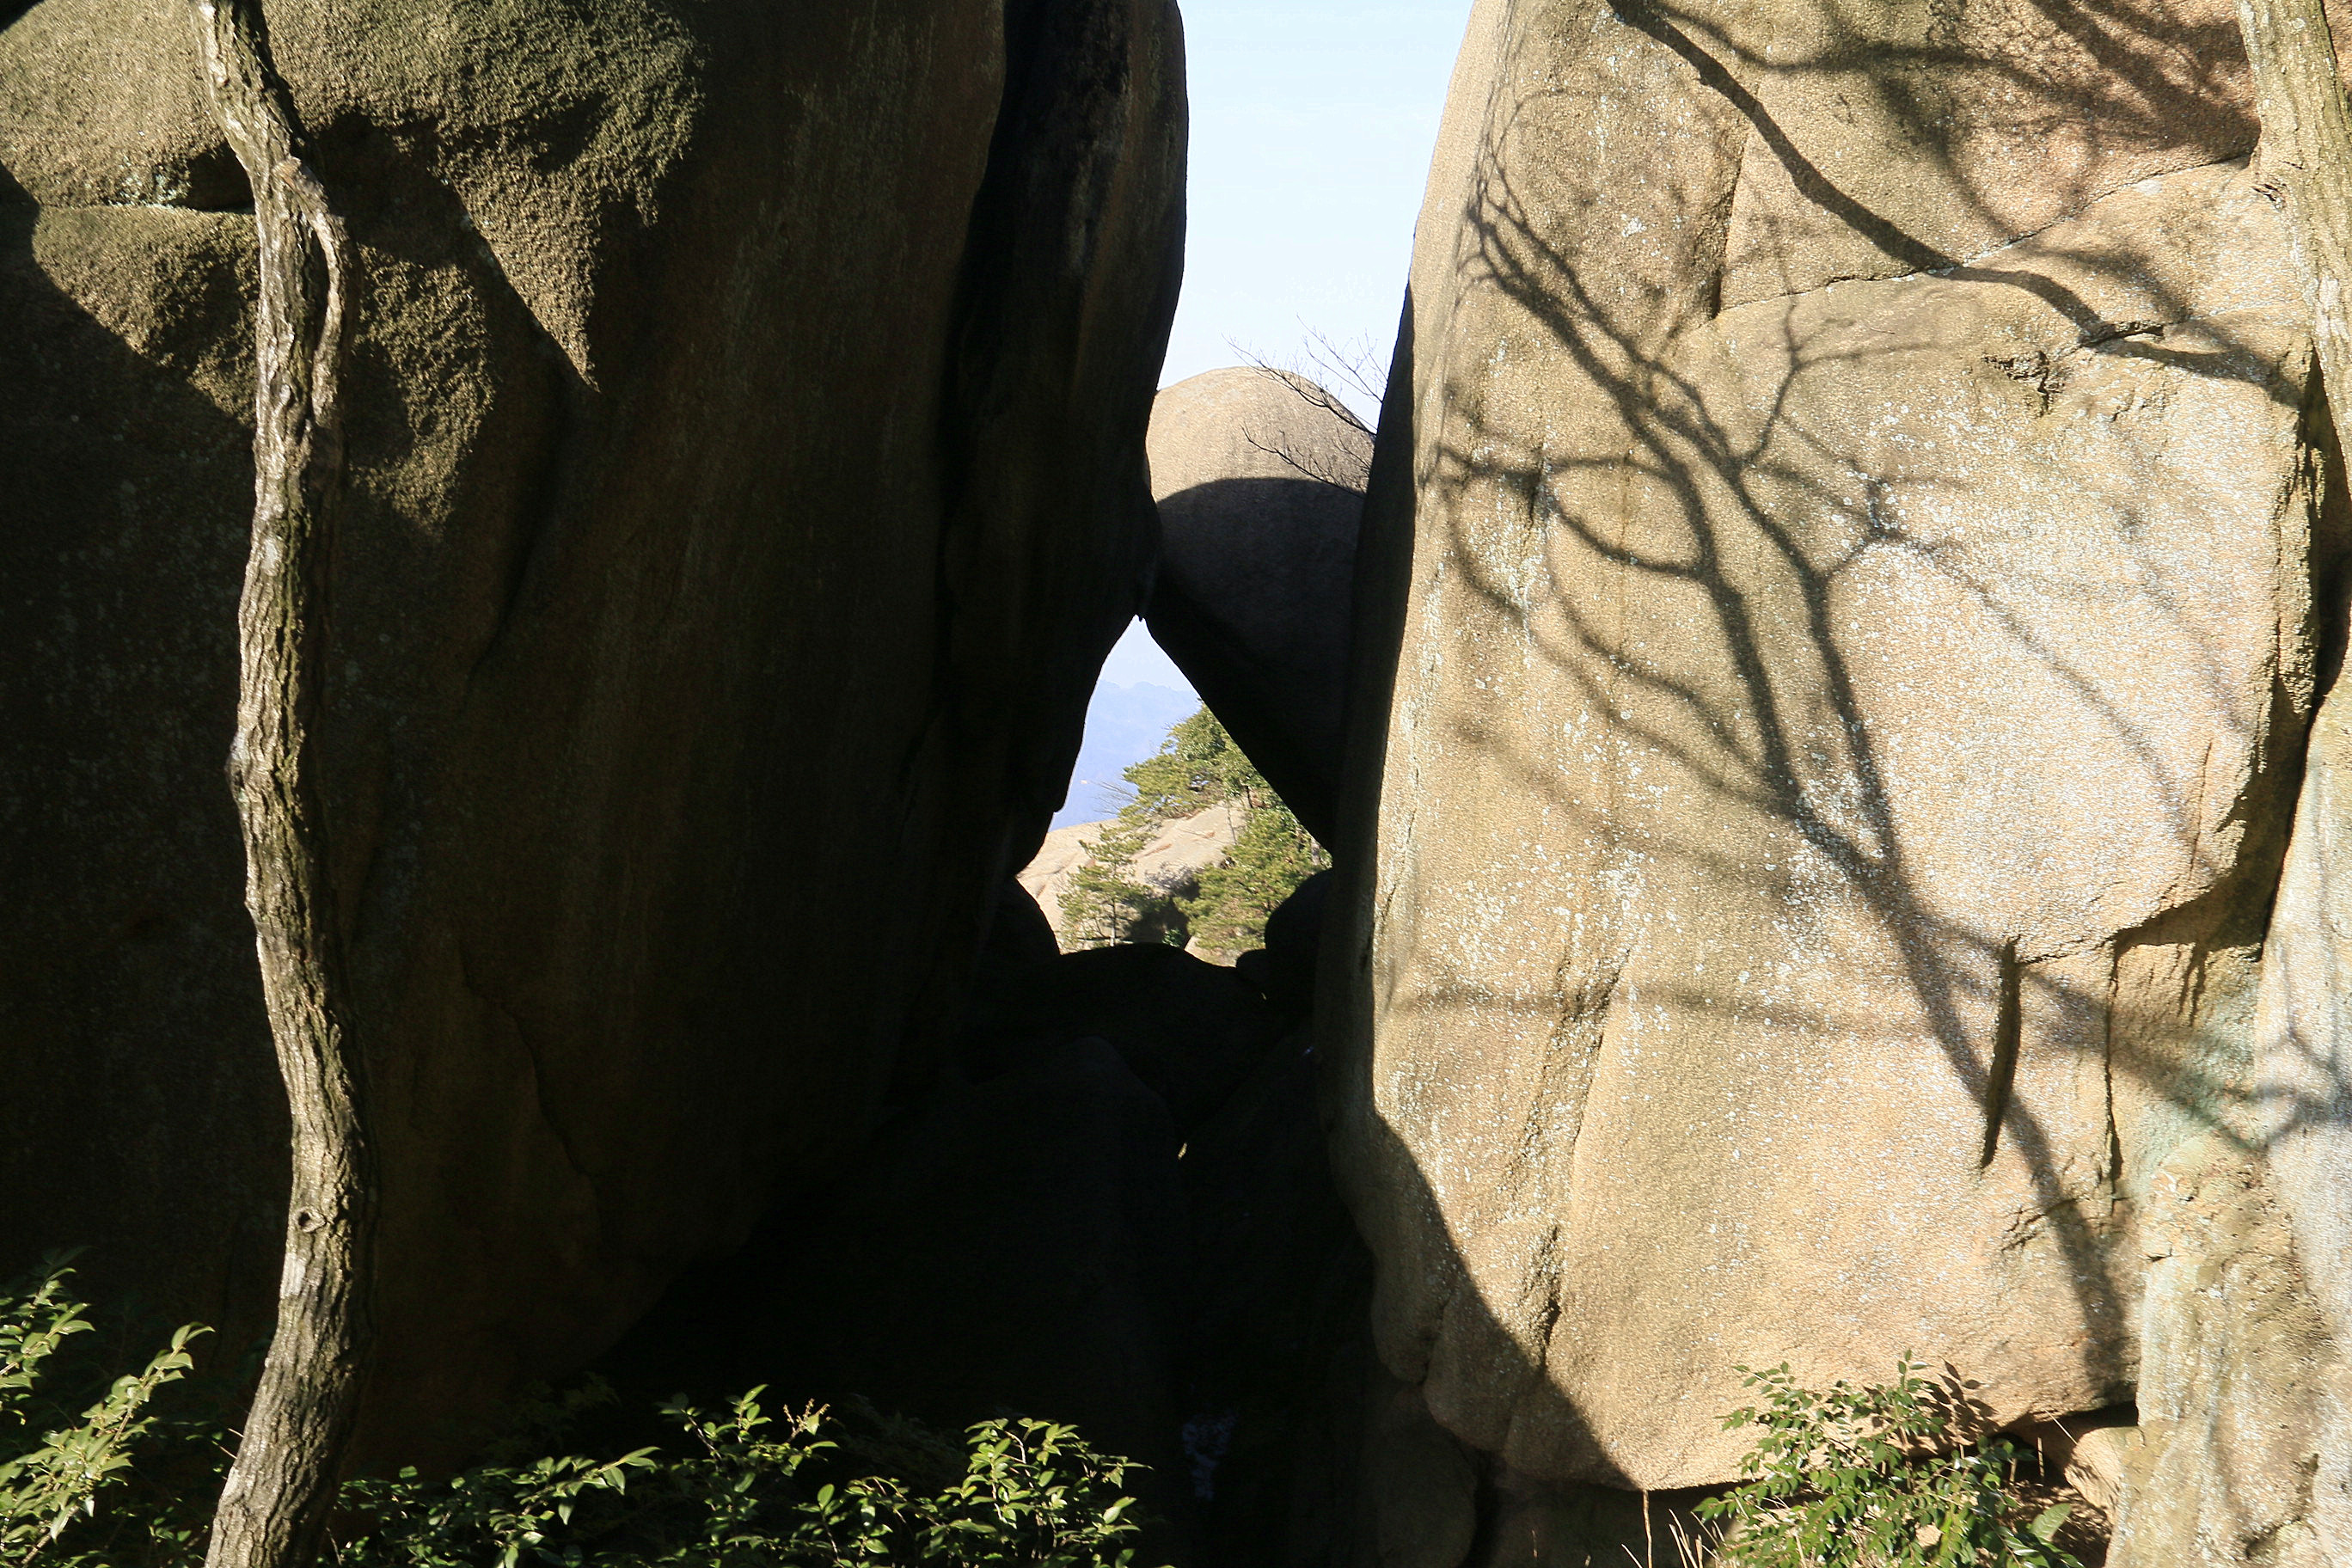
<point x="751" y="1488"/>
<point x="68" y="1495"/>
<point x="1196" y="769"/>
<point x="1893" y="1475"/>
<point x="116" y="1484"/>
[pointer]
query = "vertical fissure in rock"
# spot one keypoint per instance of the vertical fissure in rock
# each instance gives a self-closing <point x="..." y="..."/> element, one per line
<point x="2009" y="1035"/>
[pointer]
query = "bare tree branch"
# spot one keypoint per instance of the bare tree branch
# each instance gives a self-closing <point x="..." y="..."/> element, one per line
<point x="1357" y="368"/>
<point x="1307" y="465"/>
<point x="278" y="1490"/>
<point x="2306" y="153"/>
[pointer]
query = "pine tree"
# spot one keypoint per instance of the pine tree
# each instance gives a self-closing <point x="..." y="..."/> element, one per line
<point x="1196" y="769"/>
<point x="1106" y="903"/>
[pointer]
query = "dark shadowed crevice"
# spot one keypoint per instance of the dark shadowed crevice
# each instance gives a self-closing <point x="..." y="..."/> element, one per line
<point x="2008" y="1034"/>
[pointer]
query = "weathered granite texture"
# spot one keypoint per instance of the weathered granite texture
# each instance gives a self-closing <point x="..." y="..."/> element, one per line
<point x="1846" y="585"/>
<point x="2244" y="1452"/>
<point x="746" y="478"/>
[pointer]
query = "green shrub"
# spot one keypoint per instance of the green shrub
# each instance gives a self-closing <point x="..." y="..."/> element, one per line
<point x="752" y="1490"/>
<point x="1198" y="766"/>
<point x="67" y="1496"/>
<point x="1887" y="1476"/>
<point x="745" y="1489"/>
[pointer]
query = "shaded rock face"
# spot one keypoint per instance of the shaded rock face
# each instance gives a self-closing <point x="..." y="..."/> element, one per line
<point x="1845" y="586"/>
<point x="746" y="479"/>
<point x="1259" y="477"/>
<point x="1285" y="968"/>
<point x="1189" y="1030"/>
<point x="1121" y="1215"/>
<point x="1015" y="1246"/>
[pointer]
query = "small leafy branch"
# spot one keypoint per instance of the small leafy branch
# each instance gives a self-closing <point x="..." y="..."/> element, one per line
<point x="65" y="1461"/>
<point x="1898" y="1475"/>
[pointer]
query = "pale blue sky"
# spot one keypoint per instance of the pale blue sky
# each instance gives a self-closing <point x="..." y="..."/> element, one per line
<point x="1312" y="128"/>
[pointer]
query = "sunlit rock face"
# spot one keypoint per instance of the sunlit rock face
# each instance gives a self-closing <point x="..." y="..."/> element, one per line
<point x="746" y="479"/>
<point x="2245" y="1396"/>
<point x="1837" y="650"/>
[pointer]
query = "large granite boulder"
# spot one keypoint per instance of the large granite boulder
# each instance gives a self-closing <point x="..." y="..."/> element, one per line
<point x="746" y="480"/>
<point x="1259" y="476"/>
<point x="1839" y="632"/>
